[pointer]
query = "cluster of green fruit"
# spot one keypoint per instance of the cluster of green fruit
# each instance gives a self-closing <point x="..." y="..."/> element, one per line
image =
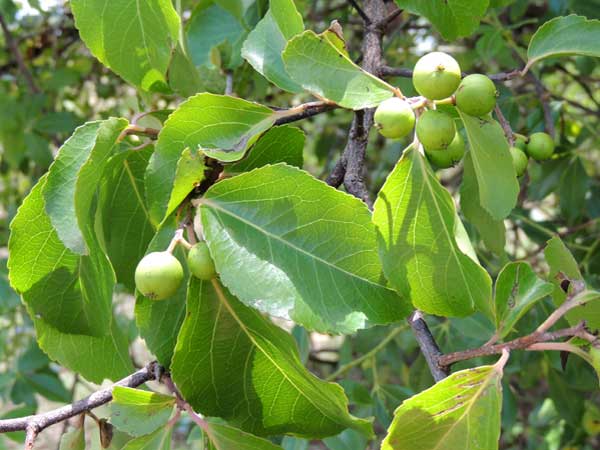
<point x="159" y="274"/>
<point x="437" y="77"/>
<point x="539" y="146"/>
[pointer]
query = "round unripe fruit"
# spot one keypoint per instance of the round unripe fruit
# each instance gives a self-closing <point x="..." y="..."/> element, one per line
<point x="436" y="76"/>
<point x="521" y="143"/>
<point x="476" y="95"/>
<point x="540" y="146"/>
<point x="519" y="159"/>
<point x="435" y="130"/>
<point x="394" y="118"/>
<point x="450" y="156"/>
<point x="158" y="275"/>
<point x="200" y="262"/>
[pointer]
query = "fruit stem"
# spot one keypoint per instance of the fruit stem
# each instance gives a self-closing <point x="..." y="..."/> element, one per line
<point x="522" y="136"/>
<point x="178" y="239"/>
<point x="446" y="101"/>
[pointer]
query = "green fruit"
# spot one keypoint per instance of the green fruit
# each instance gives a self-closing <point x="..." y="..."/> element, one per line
<point x="521" y="143"/>
<point x="394" y="118"/>
<point x="200" y="262"/>
<point x="450" y="156"/>
<point x="436" y="76"/>
<point x="158" y="275"/>
<point x="435" y="130"/>
<point x="476" y="95"/>
<point x="540" y="146"/>
<point x="519" y="159"/>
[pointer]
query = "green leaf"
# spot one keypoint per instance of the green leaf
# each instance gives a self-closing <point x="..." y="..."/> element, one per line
<point x="492" y="231"/>
<point x="74" y="177"/>
<point x="73" y="440"/>
<point x="225" y="437"/>
<point x="188" y="175"/>
<point x="126" y="226"/>
<point x="326" y="72"/>
<point x="518" y="289"/>
<point x="283" y="144"/>
<point x="139" y="412"/>
<point x="222" y="127"/>
<point x="184" y="78"/>
<point x="232" y="362"/>
<point x="211" y="26"/>
<point x="461" y="411"/>
<point x="159" y="440"/>
<point x="574" y="185"/>
<point x="133" y="38"/>
<point x="560" y="260"/>
<point x="452" y="18"/>
<point x="283" y="227"/>
<point x="159" y="321"/>
<point x="563" y="36"/>
<point x="266" y="42"/>
<point x="417" y="225"/>
<point x="74" y="326"/>
<point x="496" y="176"/>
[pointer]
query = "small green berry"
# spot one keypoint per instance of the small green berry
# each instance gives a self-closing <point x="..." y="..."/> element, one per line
<point x="158" y="275"/>
<point x="476" y="95"/>
<point x="436" y="76"/>
<point x="200" y="262"/>
<point x="519" y="159"/>
<point x="435" y="130"/>
<point x="540" y="146"/>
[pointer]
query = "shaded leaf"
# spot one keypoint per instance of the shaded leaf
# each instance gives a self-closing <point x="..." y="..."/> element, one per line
<point x="132" y="38"/>
<point x="280" y="144"/>
<point x="232" y="362"/>
<point x="158" y="440"/>
<point x="492" y="231"/>
<point x="73" y="327"/>
<point x="284" y="227"/>
<point x="73" y="440"/>
<point x="518" y="289"/>
<point x="225" y="437"/>
<point x="266" y="42"/>
<point x="417" y="223"/>
<point x="496" y="176"/>
<point x="126" y="225"/>
<point x="189" y="174"/>
<point x="325" y="71"/>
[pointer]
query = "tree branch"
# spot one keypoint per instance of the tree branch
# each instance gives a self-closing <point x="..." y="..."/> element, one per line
<point x="14" y="49"/>
<point x="33" y="425"/>
<point x="522" y="343"/>
<point x="429" y="348"/>
<point x="387" y="71"/>
<point x="360" y="12"/>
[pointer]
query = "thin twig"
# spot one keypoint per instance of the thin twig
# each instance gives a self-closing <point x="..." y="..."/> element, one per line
<point x="571" y="302"/>
<point x="360" y="12"/>
<point x="505" y="126"/>
<point x="522" y="343"/>
<point x="14" y="49"/>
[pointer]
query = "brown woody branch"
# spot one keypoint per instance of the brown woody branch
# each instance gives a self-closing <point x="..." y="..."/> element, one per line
<point x="429" y="348"/>
<point x="522" y="343"/>
<point x="34" y="424"/>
